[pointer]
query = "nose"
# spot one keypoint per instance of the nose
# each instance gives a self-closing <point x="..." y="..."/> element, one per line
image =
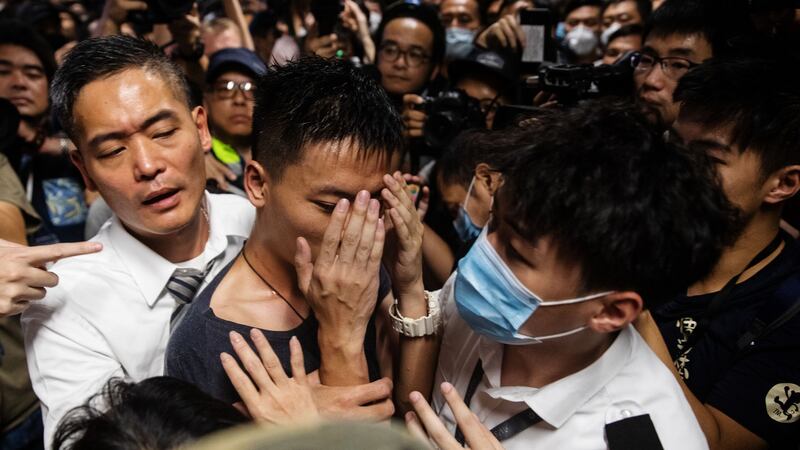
<point x="655" y="78"/>
<point x="239" y="98"/>
<point x="147" y="163"/>
<point x="18" y="80"/>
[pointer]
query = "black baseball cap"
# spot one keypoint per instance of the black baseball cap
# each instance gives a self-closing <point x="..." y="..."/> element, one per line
<point x="234" y="59"/>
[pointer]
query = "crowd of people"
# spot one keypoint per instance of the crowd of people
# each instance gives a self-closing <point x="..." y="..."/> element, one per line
<point x="490" y="223"/>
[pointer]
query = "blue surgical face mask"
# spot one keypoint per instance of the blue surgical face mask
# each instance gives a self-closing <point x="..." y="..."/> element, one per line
<point x="459" y="43"/>
<point x="465" y="227"/>
<point x="494" y="303"/>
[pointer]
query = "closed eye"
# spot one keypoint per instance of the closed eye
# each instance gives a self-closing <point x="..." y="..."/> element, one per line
<point x="165" y="134"/>
<point x="326" y="207"/>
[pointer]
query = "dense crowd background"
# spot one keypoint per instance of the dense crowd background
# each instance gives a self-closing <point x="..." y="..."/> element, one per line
<point x="636" y="157"/>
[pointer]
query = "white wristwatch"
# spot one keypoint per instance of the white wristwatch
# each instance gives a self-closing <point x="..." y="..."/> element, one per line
<point x="424" y="326"/>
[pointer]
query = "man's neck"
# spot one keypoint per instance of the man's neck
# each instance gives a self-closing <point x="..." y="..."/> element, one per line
<point x="756" y="236"/>
<point x="187" y="243"/>
<point x="269" y="265"/>
<point x="541" y="364"/>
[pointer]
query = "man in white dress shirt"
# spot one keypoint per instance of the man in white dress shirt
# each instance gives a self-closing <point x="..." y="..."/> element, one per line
<point x="141" y="145"/>
<point x="587" y="229"/>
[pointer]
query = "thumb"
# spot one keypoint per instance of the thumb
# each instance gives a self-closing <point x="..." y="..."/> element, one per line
<point x="303" y="265"/>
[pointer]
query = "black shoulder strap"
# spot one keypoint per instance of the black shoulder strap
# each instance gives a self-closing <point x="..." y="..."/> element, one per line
<point x="782" y="308"/>
<point x="633" y="433"/>
<point x="507" y="429"/>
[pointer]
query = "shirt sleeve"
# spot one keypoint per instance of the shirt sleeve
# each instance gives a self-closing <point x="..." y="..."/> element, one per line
<point x="761" y="391"/>
<point x="11" y="191"/>
<point x="68" y="359"/>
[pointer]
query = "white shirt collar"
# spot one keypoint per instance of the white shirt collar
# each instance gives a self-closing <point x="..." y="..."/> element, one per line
<point x="151" y="271"/>
<point x="558" y="401"/>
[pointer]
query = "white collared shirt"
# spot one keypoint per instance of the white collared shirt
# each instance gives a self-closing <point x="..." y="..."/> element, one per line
<point x="109" y="315"/>
<point x="627" y="380"/>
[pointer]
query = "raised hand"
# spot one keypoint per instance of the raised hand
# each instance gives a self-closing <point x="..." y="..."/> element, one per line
<point x="403" y="254"/>
<point x="23" y="277"/>
<point x="274" y="398"/>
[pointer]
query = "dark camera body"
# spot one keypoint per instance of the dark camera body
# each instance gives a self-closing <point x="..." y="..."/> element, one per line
<point x="326" y="13"/>
<point x="449" y="113"/>
<point x="161" y="11"/>
<point x="575" y="82"/>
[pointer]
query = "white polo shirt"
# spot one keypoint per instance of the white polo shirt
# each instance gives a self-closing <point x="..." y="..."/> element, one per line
<point x="109" y="315"/>
<point x="628" y="380"/>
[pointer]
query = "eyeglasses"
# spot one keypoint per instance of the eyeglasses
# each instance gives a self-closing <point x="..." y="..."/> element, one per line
<point x="227" y="89"/>
<point x="414" y="57"/>
<point x="673" y="66"/>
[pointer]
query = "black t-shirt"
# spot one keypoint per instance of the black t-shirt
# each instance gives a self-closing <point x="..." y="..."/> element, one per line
<point x="195" y="345"/>
<point x="759" y="387"/>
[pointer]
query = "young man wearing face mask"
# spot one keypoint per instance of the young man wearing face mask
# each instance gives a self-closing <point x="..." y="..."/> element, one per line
<point x="584" y="234"/>
<point x="581" y="28"/>
<point x="462" y="20"/>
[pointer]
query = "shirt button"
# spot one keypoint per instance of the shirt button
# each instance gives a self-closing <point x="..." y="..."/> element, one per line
<point x="625" y="413"/>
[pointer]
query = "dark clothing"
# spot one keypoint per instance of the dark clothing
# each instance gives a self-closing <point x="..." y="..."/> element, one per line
<point x="759" y="387"/>
<point x="57" y="196"/>
<point x="194" y="347"/>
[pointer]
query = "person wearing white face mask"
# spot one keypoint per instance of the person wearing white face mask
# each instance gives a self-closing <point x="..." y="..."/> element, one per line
<point x="581" y="31"/>
<point x="584" y="234"/>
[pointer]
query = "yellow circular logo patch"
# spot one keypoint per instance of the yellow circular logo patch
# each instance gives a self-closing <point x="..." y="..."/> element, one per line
<point x="783" y="403"/>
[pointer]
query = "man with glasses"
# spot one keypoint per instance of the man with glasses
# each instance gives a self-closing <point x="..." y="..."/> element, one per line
<point x="410" y="49"/>
<point x="228" y="98"/>
<point x="680" y="35"/>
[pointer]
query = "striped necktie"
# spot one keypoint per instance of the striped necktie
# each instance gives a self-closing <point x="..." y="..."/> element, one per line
<point x="183" y="286"/>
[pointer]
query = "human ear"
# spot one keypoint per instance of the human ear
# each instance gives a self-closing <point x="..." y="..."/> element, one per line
<point x="200" y="118"/>
<point x="77" y="159"/>
<point x="784" y="184"/>
<point x="618" y="310"/>
<point x="256" y="184"/>
<point x="490" y="179"/>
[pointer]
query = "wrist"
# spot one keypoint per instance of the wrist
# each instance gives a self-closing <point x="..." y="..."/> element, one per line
<point x="412" y="303"/>
<point x="340" y="341"/>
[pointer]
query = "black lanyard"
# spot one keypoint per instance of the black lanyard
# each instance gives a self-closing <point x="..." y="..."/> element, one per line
<point x="508" y="428"/>
<point x="717" y="303"/>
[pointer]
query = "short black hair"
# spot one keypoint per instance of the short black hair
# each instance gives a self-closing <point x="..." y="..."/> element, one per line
<point x="633" y="29"/>
<point x="421" y="12"/>
<point x="645" y="7"/>
<point x="313" y="100"/>
<point x="633" y="211"/>
<point x="718" y="21"/>
<point x="103" y="57"/>
<point x="472" y="147"/>
<point x="14" y="32"/>
<point x="572" y="5"/>
<point x="158" y="413"/>
<point x="758" y="98"/>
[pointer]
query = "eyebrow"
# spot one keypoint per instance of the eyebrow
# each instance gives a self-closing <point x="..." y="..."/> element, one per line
<point x="709" y="144"/>
<point x="336" y="192"/>
<point x="395" y="43"/>
<point x="24" y="66"/>
<point x="164" y="114"/>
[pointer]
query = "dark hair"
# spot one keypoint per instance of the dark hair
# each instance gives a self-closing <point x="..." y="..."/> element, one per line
<point x="315" y="100"/>
<point x="421" y="12"/>
<point x="718" y="21"/>
<point x="631" y="210"/>
<point x="472" y="147"/>
<point x="98" y="58"/>
<point x="645" y="7"/>
<point x="572" y="5"/>
<point x="758" y="98"/>
<point x="158" y="413"/>
<point x="14" y="32"/>
<point x="627" y="30"/>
